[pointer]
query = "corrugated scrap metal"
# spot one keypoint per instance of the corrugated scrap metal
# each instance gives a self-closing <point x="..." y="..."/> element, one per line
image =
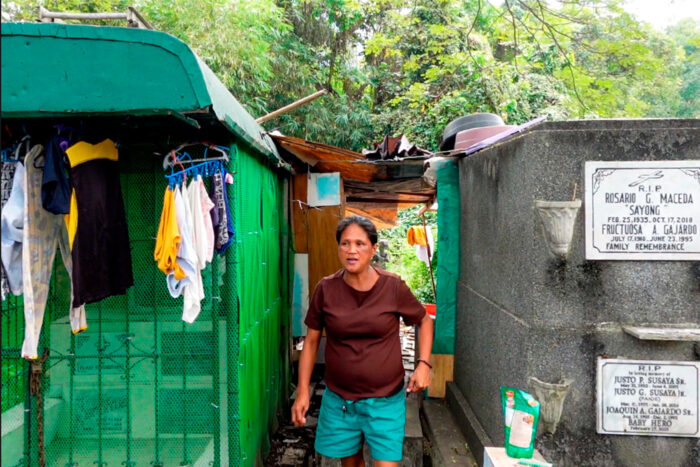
<point x="391" y="148"/>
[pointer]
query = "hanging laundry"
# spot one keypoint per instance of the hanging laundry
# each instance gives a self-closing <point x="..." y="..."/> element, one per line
<point x="194" y="292"/>
<point x="202" y="219"/>
<point x="168" y="238"/>
<point x="8" y="174"/>
<point x="186" y="255"/>
<point x="223" y="229"/>
<point x="229" y="218"/>
<point x="98" y="231"/>
<point x="207" y="207"/>
<point x="416" y="236"/>
<point x="12" y="227"/>
<point x="42" y="231"/>
<point x="55" y="187"/>
<point x="199" y="229"/>
<point x="215" y="218"/>
<point x="422" y="238"/>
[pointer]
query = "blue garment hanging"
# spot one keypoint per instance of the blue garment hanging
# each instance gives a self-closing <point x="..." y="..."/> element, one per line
<point x="55" y="186"/>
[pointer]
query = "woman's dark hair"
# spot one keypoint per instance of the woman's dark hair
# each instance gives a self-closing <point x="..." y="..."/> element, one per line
<point x="360" y="221"/>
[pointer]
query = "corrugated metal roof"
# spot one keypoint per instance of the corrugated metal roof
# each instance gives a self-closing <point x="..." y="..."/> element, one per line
<point x="375" y="189"/>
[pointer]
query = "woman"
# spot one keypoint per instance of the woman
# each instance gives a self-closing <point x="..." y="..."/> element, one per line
<point x="359" y="308"/>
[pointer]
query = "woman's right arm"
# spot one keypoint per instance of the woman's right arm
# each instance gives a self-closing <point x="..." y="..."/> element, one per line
<point x="307" y="360"/>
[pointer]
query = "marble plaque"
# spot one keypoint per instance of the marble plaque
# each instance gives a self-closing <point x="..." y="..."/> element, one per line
<point x="95" y="411"/>
<point x="87" y="349"/>
<point x="648" y="398"/>
<point x="643" y="210"/>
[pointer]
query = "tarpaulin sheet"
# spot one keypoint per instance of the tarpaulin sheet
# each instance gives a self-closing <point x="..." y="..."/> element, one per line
<point x="448" y="265"/>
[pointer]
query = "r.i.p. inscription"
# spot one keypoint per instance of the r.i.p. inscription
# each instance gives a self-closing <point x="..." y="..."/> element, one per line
<point x="646" y="397"/>
<point x="643" y="210"/>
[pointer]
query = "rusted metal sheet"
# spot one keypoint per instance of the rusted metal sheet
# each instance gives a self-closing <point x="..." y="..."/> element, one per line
<point x="319" y="151"/>
<point x="374" y="189"/>
<point x="400" y="193"/>
<point x="351" y="165"/>
<point x="350" y="170"/>
<point x="383" y="216"/>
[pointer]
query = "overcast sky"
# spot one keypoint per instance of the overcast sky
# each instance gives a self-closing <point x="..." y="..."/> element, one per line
<point x="662" y="13"/>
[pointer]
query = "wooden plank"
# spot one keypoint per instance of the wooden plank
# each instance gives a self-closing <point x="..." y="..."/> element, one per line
<point x="411" y="185"/>
<point x="350" y="169"/>
<point x="373" y="197"/>
<point x="322" y="246"/>
<point x="443" y="371"/>
<point x="323" y="249"/>
<point x="300" y="214"/>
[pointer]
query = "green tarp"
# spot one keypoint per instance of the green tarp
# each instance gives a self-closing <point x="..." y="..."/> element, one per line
<point x="448" y="265"/>
<point x="68" y="70"/>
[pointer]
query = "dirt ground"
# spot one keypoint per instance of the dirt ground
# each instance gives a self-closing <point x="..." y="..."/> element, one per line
<point x="294" y="446"/>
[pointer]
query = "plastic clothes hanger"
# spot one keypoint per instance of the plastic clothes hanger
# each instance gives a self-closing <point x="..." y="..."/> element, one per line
<point x="171" y="158"/>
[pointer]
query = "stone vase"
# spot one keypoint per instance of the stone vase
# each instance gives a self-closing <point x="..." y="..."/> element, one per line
<point x="558" y="220"/>
<point x="551" y="398"/>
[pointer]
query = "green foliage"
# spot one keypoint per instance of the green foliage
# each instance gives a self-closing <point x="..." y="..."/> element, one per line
<point x="235" y="38"/>
<point x="402" y="256"/>
<point x="686" y="34"/>
<point x="397" y="69"/>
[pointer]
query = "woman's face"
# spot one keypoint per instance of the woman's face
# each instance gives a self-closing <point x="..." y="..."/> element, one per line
<point x="355" y="250"/>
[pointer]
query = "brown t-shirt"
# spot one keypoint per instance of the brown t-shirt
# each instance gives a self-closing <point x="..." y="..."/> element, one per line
<point x="363" y="350"/>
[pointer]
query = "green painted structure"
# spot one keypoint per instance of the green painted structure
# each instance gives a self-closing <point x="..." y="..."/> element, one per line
<point x="140" y="386"/>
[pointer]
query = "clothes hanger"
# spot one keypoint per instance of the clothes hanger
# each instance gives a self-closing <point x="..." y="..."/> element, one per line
<point x="6" y="156"/>
<point x="171" y="158"/>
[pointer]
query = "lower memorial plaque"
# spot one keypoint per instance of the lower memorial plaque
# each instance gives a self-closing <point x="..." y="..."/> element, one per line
<point x="647" y="397"/>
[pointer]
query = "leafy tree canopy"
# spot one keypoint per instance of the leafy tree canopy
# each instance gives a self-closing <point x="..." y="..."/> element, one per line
<point x="397" y="67"/>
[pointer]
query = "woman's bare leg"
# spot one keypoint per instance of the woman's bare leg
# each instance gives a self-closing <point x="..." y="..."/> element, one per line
<point x="356" y="460"/>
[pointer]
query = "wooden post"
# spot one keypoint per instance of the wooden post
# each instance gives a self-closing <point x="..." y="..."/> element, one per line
<point x="443" y="371"/>
<point x="291" y="106"/>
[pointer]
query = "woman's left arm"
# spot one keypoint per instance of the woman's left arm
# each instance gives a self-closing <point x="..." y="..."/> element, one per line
<point x="421" y="375"/>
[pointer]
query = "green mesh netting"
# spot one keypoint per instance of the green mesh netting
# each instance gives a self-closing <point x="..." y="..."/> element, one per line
<point x="264" y="312"/>
<point x="140" y="386"/>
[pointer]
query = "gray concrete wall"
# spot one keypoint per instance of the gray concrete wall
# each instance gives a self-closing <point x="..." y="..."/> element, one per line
<point x="522" y="313"/>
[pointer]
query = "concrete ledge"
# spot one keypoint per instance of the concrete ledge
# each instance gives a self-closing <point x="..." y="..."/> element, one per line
<point x="448" y="442"/>
<point x="472" y="430"/>
<point x="13" y="428"/>
<point x="412" y="442"/>
<point x="659" y="333"/>
<point x="497" y="457"/>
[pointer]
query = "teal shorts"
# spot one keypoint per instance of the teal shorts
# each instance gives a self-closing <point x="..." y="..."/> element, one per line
<point x="343" y="426"/>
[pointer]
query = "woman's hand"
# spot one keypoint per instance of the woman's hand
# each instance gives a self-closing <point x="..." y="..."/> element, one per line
<point x="420" y="379"/>
<point x="299" y="409"/>
<point x="306" y="366"/>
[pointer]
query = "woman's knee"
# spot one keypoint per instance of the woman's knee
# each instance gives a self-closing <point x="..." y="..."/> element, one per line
<point x="356" y="460"/>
